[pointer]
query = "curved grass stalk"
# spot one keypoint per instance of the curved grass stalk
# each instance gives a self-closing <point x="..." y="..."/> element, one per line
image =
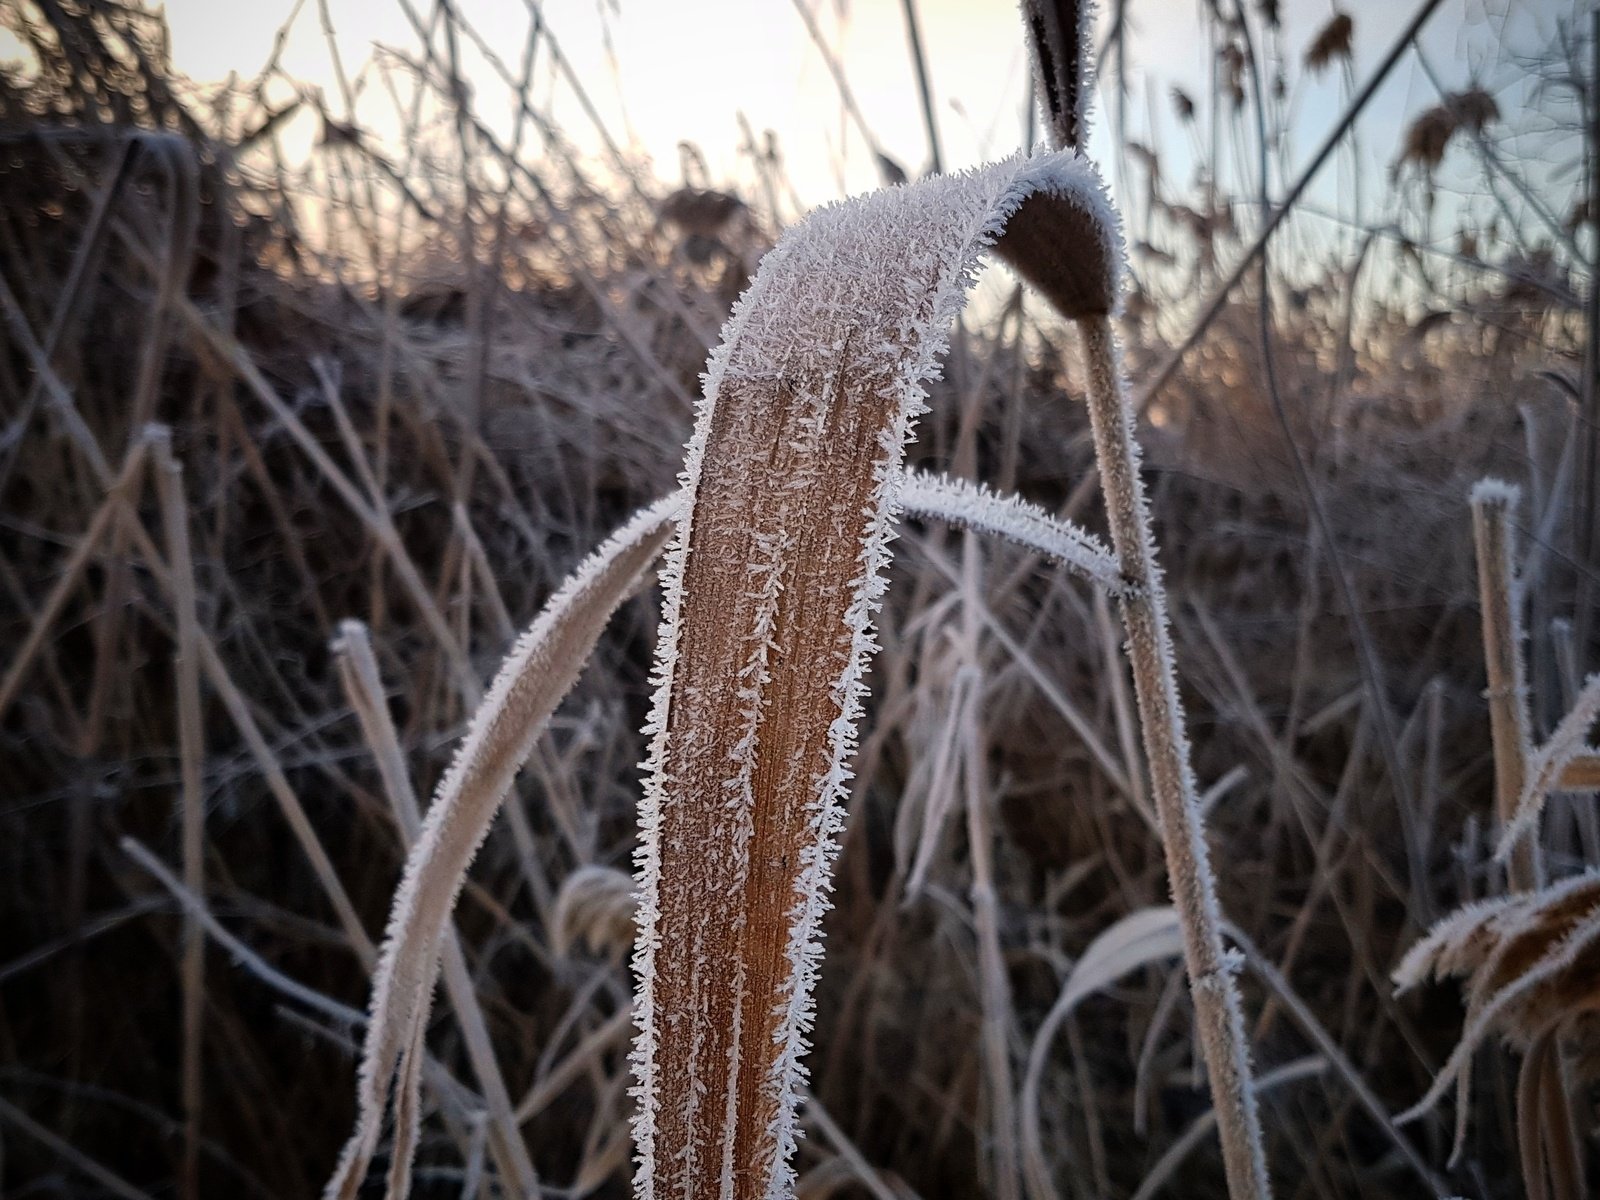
<point x="973" y="506"/>
<point x="538" y="672"/>
<point x="363" y="688"/>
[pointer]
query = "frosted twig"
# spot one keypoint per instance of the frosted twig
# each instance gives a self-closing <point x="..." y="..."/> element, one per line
<point x="1011" y="519"/>
<point x="1547" y="768"/>
<point x="1190" y="1139"/>
<point x="1211" y="984"/>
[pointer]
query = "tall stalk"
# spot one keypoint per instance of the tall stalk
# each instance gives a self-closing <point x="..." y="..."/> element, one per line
<point x="1058" y="35"/>
<point x="1509" y="722"/>
<point x="1166" y="746"/>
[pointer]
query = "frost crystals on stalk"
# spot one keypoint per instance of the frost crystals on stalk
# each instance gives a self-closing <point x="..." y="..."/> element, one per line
<point x="793" y="477"/>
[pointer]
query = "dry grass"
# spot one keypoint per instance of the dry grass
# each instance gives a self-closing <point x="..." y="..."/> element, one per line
<point x="426" y="421"/>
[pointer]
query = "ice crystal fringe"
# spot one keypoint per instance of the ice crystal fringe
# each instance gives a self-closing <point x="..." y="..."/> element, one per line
<point x="538" y="672"/>
<point x="974" y="506"/>
<point x="1546" y="765"/>
<point x="1530" y="963"/>
<point x="1490" y="490"/>
<point x="770" y="588"/>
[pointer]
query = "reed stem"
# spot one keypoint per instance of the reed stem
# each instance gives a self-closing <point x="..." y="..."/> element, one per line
<point x="1509" y="722"/>
<point x="1166" y="746"/>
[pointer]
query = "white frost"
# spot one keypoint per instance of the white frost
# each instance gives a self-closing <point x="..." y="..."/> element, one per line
<point x="1011" y="519"/>
<point x="885" y="275"/>
<point x="1544" y="769"/>
<point x="535" y="675"/>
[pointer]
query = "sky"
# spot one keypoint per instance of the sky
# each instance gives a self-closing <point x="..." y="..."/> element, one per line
<point x="664" y="71"/>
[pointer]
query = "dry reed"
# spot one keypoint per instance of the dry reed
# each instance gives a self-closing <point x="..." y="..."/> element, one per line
<point x="488" y="388"/>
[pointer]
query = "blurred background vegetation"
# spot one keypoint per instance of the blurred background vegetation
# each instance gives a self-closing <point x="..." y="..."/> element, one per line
<point x="393" y="310"/>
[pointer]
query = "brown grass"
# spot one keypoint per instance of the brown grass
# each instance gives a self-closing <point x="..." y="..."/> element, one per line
<point x="427" y="429"/>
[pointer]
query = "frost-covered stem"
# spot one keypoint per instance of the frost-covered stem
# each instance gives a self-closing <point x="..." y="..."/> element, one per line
<point x="1211" y="982"/>
<point x="538" y="673"/>
<point x="1509" y="725"/>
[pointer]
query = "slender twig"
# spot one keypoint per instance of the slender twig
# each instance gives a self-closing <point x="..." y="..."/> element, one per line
<point x="924" y="88"/>
<point x="89" y="544"/>
<point x="1584" y="515"/>
<point x="191" y="751"/>
<point x="1371" y="665"/>
<point x="1215" y="994"/>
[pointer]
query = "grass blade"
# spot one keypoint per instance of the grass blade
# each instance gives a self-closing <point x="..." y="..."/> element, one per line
<point x="539" y="671"/>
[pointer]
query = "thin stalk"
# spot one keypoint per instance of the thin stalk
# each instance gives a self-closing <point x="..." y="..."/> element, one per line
<point x="1217" y="1007"/>
<point x="846" y="96"/>
<point x="924" y="87"/>
<point x="191" y="751"/>
<point x="72" y="572"/>
<point x="995" y="992"/>
<point x="1371" y="667"/>
<point x="363" y="687"/>
<point x="1509" y="723"/>
<point x="1588" y="552"/>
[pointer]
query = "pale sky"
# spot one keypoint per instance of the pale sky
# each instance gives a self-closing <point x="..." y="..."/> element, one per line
<point x="665" y="70"/>
<point x="661" y="71"/>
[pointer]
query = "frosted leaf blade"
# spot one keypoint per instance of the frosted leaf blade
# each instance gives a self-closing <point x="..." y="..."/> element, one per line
<point x="1546" y="766"/>
<point x="769" y="595"/>
<point x="1010" y="519"/>
<point x="539" y="671"/>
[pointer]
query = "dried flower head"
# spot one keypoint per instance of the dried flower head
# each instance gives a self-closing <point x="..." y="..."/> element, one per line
<point x="1474" y="109"/>
<point x="1427" y="138"/>
<point x="700" y="211"/>
<point x="1532" y="965"/>
<point x="1332" y="42"/>
<point x="594" y="907"/>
